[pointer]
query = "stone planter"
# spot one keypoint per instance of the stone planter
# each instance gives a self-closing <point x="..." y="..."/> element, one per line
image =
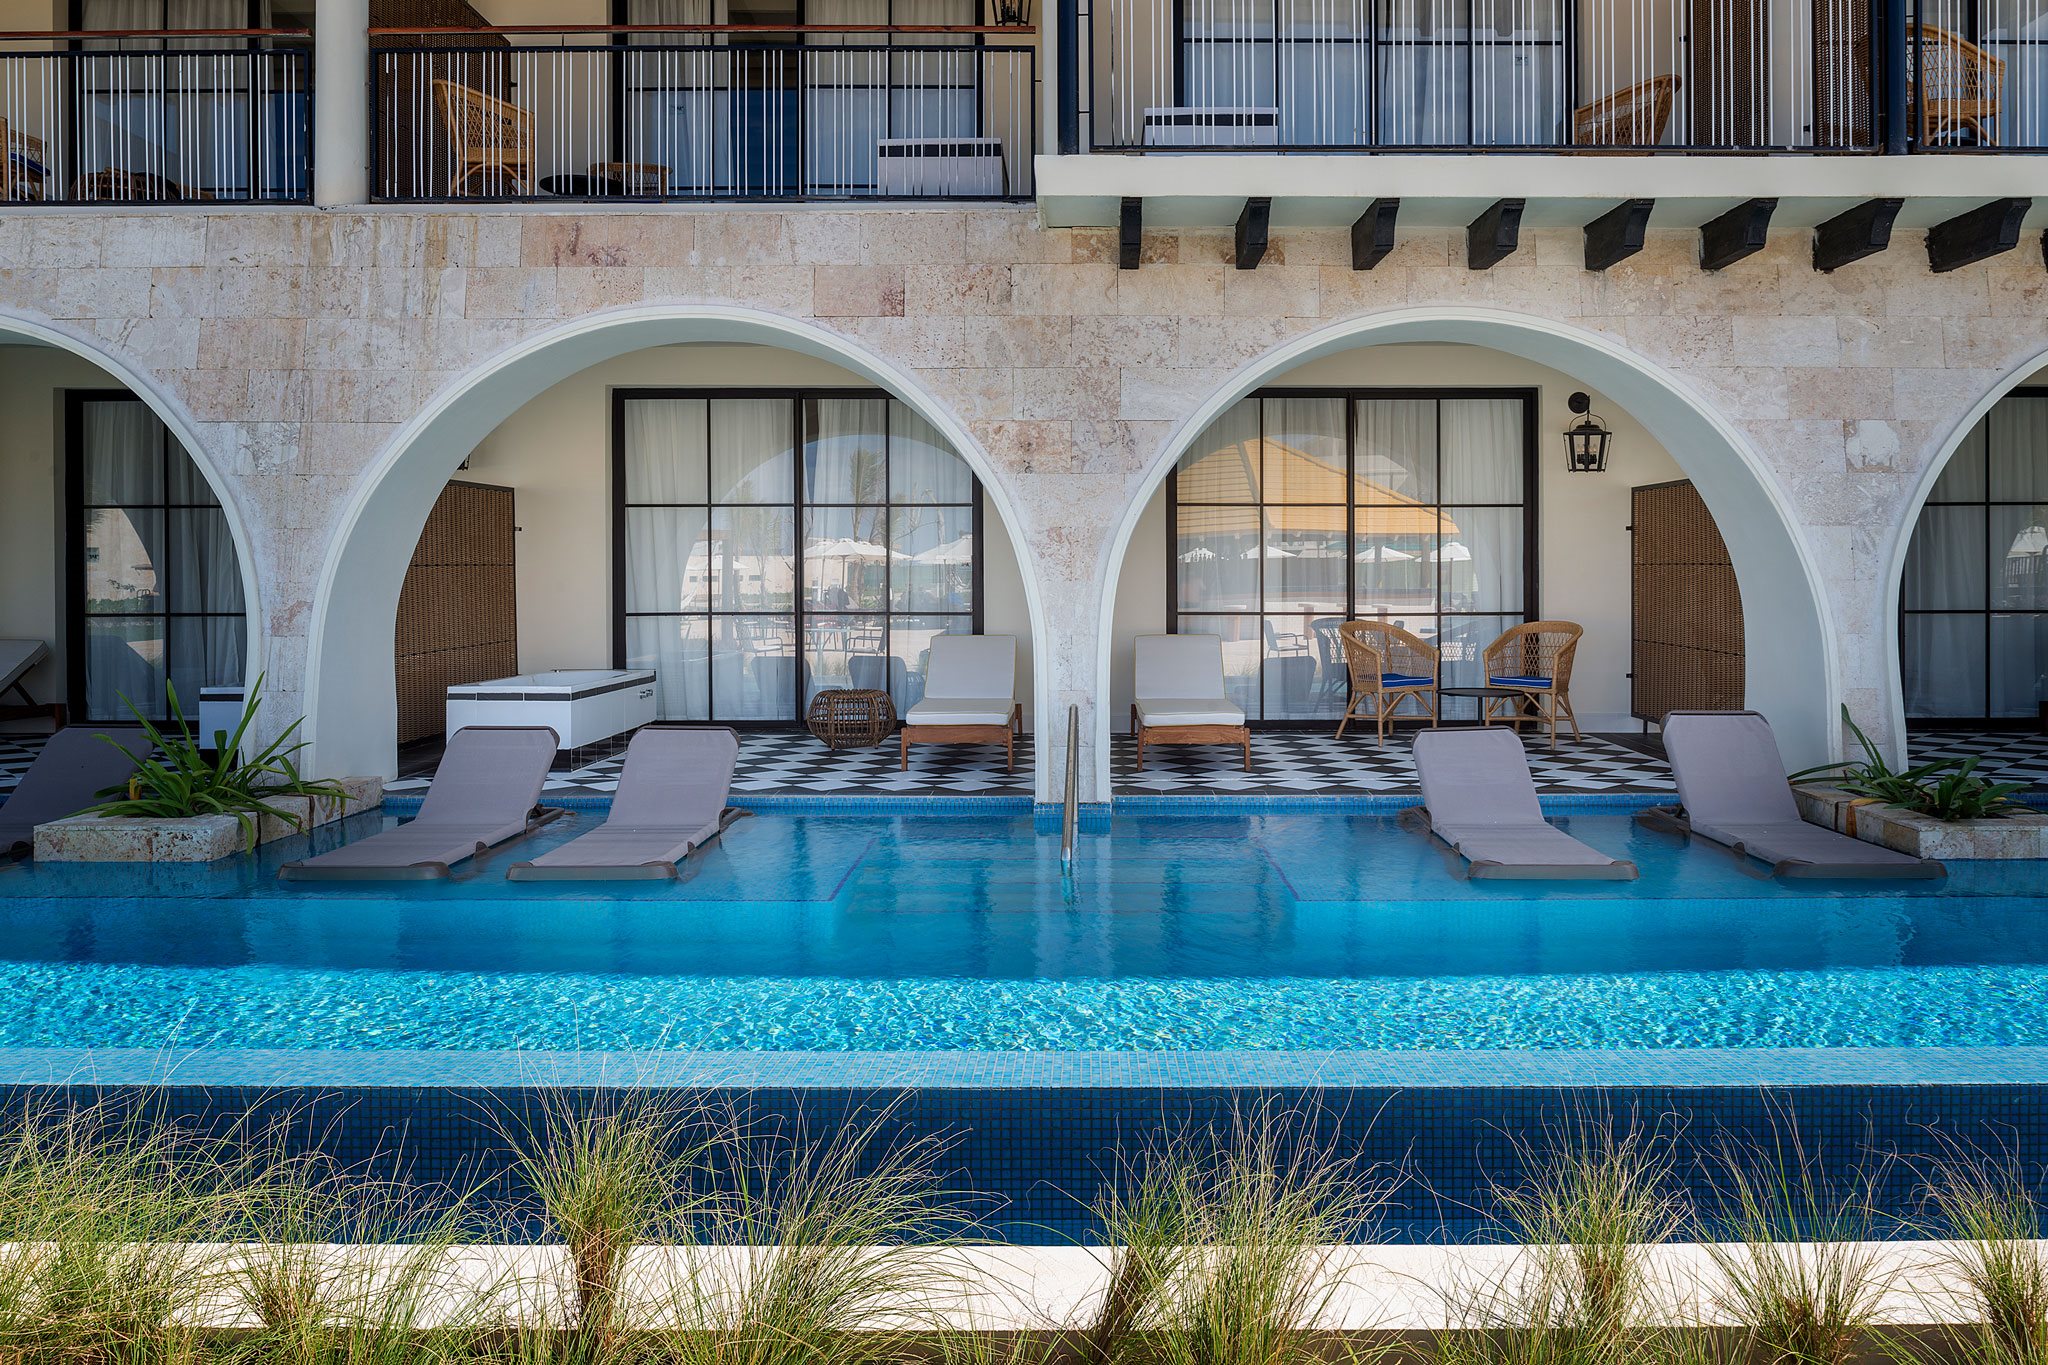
<point x="197" y="839"/>
<point x="2021" y="835"/>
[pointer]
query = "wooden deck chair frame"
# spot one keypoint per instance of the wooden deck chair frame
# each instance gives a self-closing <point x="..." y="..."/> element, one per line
<point x="1633" y="110"/>
<point x="1970" y="90"/>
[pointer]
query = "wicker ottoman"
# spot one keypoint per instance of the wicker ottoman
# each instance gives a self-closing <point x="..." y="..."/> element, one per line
<point x="852" y="717"/>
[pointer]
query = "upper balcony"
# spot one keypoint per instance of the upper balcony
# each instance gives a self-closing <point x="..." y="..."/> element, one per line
<point x="162" y="114"/>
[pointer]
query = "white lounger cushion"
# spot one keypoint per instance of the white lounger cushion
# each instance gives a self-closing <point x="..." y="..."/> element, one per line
<point x="1179" y="667"/>
<point x="973" y="668"/>
<point x="1165" y="711"/>
<point x="959" y="711"/>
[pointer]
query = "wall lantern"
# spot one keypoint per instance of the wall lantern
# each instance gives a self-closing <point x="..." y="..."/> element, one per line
<point x="1585" y="441"/>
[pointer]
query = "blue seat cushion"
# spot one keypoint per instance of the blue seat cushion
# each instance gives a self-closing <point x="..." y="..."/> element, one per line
<point x="1517" y="680"/>
<point x="1404" y="680"/>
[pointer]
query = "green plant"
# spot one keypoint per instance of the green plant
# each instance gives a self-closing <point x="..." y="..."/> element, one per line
<point x="174" y="779"/>
<point x="1987" y="1212"/>
<point x="1948" y="789"/>
<point x="814" y="1250"/>
<point x="1797" y="1262"/>
<point x="1223" y="1251"/>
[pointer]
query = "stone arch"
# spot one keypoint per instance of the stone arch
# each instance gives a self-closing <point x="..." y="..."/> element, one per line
<point x="1794" y="670"/>
<point x="171" y="412"/>
<point x="1902" y="534"/>
<point x="351" y="708"/>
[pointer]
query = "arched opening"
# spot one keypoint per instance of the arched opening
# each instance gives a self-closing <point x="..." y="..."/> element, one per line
<point x="1968" y="593"/>
<point x="1532" y="540"/>
<point x="123" y="565"/>
<point x="749" y="508"/>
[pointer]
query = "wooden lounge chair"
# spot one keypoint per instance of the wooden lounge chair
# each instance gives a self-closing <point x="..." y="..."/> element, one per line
<point x="1534" y="660"/>
<point x="1180" y="696"/>
<point x="17" y="657"/>
<point x="669" y="804"/>
<point x="67" y="777"/>
<point x="1480" y="802"/>
<point x="1388" y="666"/>
<point x="1732" y="790"/>
<point x="1953" y="85"/>
<point x="1634" y="117"/>
<point x="970" y="696"/>
<point x="22" y="167"/>
<point x="486" y="136"/>
<point x="485" y="793"/>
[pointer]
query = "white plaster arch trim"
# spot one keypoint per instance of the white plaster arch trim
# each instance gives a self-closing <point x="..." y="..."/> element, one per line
<point x="1902" y="535"/>
<point x="171" y="412"/>
<point x="1800" y="691"/>
<point x="351" y="723"/>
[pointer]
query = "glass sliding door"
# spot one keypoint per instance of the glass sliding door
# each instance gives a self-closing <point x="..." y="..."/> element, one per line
<point x="155" y="583"/>
<point x="1974" y="602"/>
<point x="772" y="545"/>
<point x="1299" y="510"/>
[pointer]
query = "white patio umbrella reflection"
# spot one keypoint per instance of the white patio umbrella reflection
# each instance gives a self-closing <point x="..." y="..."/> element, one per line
<point x="1382" y="554"/>
<point x="1272" y="552"/>
<point x="959" y="551"/>
<point x="1197" y="555"/>
<point x="1451" y="553"/>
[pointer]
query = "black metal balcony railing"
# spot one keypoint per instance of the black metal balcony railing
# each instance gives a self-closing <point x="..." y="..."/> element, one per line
<point x="1703" y="75"/>
<point x="726" y="113"/>
<point x="214" y="118"/>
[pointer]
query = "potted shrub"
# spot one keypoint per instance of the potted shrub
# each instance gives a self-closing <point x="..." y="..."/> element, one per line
<point x="184" y="806"/>
<point x="1945" y="809"/>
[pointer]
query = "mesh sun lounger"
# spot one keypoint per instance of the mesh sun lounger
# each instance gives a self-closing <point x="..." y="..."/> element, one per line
<point x="1732" y="790"/>
<point x="1480" y="800"/>
<point x="17" y="657"/>
<point x="670" y="802"/>
<point x="75" y="766"/>
<point x="483" y="795"/>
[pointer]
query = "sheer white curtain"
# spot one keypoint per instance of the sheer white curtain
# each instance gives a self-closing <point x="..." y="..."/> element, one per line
<point x="1395" y="482"/>
<point x="1483" y="451"/>
<point x="667" y="461"/>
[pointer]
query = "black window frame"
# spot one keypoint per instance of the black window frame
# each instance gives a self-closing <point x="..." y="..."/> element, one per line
<point x="76" y="511"/>
<point x="800" y="505"/>
<point x="1351" y="397"/>
<point x="1986" y="613"/>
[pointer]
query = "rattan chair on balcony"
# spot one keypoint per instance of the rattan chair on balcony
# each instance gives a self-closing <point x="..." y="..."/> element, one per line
<point x="1534" y="661"/>
<point x="1635" y="117"/>
<point x="21" y="164"/>
<point x="487" y="136"/>
<point x="1955" y="84"/>
<point x="1388" y="666"/>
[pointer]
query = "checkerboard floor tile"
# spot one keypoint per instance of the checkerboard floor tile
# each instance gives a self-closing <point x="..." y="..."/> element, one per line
<point x="788" y="763"/>
<point x="1317" y="763"/>
<point x="2009" y="756"/>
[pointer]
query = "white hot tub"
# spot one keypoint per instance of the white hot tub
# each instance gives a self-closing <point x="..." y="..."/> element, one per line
<point x="583" y="705"/>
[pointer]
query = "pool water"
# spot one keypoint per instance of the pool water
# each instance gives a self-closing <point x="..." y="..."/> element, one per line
<point x="1284" y="931"/>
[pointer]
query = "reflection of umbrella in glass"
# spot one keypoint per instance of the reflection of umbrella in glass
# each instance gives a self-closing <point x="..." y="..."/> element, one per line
<point x="1197" y="555"/>
<point x="1382" y="554"/>
<point x="960" y="551"/>
<point x="1451" y="551"/>
<point x="2032" y="541"/>
<point x="846" y="548"/>
<point x="1272" y="552"/>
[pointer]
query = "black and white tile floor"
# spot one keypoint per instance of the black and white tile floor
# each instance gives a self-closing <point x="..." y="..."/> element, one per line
<point x="1283" y="763"/>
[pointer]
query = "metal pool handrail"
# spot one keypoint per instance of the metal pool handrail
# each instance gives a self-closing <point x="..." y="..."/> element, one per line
<point x="1070" y="808"/>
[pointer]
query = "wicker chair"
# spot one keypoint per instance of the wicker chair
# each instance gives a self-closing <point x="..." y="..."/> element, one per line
<point x="1387" y="666"/>
<point x="1954" y="84"/>
<point x="487" y="136"/>
<point x="1635" y="117"/>
<point x="21" y="164"/>
<point x="1535" y="661"/>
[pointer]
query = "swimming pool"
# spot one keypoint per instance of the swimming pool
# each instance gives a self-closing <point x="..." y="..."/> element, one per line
<point x="802" y="932"/>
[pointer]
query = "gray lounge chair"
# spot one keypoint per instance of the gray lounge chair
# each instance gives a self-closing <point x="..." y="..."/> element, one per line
<point x="75" y="766"/>
<point x="1732" y="790"/>
<point x="670" y="802"/>
<point x="483" y="794"/>
<point x="17" y="657"/>
<point x="1479" y="800"/>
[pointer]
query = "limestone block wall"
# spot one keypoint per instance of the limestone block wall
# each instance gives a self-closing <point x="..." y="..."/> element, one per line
<point x="296" y="343"/>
